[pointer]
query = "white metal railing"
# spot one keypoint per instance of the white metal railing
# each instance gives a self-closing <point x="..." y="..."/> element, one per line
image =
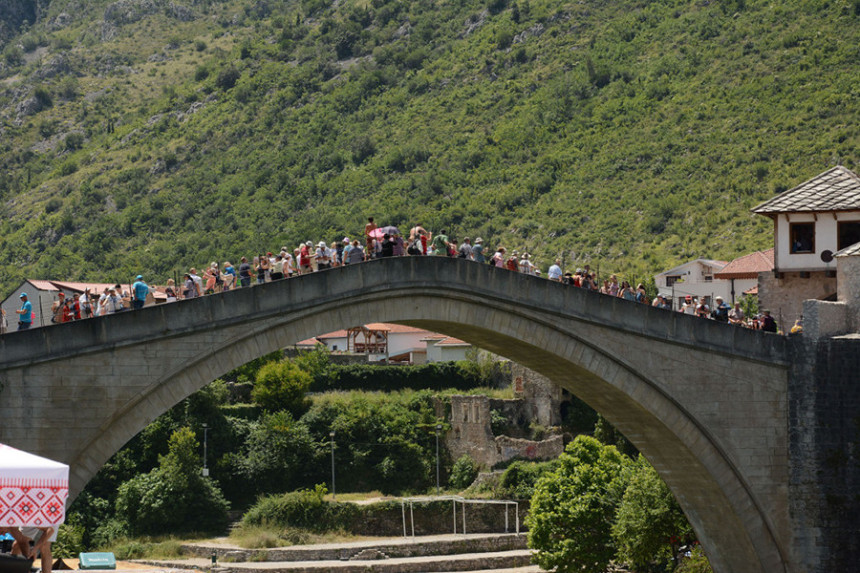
<point x="455" y="499"/>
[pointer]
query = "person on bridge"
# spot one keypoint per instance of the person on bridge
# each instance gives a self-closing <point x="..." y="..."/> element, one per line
<point x="113" y="302"/>
<point x="721" y="310"/>
<point x="478" y="251"/>
<point x="387" y="246"/>
<point x="244" y="273"/>
<point x="736" y="315"/>
<point x="466" y="251"/>
<point x="25" y="313"/>
<point x="440" y="244"/>
<point x="140" y="291"/>
<point x="368" y="238"/>
<point x="356" y="253"/>
<point x="324" y="256"/>
<point x="768" y="324"/>
<point x="554" y="273"/>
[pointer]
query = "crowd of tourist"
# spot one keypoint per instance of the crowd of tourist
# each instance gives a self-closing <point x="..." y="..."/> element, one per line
<point x="377" y="242"/>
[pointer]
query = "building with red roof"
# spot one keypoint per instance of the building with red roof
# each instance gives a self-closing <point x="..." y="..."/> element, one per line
<point x="383" y="341"/>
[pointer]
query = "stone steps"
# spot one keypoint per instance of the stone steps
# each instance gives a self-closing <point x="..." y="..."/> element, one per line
<point x="429" y="554"/>
<point x="392" y="547"/>
<point x="514" y="560"/>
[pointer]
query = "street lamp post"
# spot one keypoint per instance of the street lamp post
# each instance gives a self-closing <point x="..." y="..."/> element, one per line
<point x="438" y="429"/>
<point x="333" y="489"/>
<point x="205" y="448"/>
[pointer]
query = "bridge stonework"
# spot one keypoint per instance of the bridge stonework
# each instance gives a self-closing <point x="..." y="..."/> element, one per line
<point x="722" y="413"/>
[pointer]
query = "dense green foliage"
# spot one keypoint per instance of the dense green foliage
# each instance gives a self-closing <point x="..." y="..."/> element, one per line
<point x="174" y="497"/>
<point x="628" y="134"/>
<point x="650" y="527"/>
<point x="573" y="508"/>
<point x="463" y="472"/>
<point x="437" y="375"/>
<point x="592" y="490"/>
<point x="282" y="385"/>
<point x="304" y="509"/>
<point x="519" y="479"/>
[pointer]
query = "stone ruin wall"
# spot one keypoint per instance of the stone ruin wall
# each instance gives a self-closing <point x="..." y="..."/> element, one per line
<point x="539" y="400"/>
<point x="784" y="297"/>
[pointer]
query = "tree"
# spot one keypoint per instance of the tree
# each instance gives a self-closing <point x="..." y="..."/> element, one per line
<point x="650" y="527"/>
<point x="573" y="508"/>
<point x="280" y="454"/>
<point x="174" y="496"/>
<point x="282" y="386"/>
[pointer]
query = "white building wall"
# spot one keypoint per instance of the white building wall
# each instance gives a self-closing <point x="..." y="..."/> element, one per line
<point x="826" y="238"/>
<point x="404" y="342"/>
<point x="335" y="344"/>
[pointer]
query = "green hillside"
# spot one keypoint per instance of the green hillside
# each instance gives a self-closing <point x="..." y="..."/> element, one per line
<point x="147" y="135"/>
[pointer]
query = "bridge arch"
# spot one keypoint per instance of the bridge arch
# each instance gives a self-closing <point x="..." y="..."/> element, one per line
<point x="621" y="358"/>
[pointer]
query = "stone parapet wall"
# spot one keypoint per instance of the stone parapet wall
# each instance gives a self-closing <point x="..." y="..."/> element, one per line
<point x="784" y="296"/>
<point x="391" y="548"/>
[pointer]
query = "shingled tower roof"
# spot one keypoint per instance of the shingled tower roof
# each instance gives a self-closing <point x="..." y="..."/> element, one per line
<point x="837" y="189"/>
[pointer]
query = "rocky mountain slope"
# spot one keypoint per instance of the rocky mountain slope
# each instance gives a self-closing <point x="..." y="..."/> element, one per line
<point x="154" y="135"/>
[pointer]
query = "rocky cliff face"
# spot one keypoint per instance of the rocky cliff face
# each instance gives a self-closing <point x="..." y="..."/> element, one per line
<point x="14" y="14"/>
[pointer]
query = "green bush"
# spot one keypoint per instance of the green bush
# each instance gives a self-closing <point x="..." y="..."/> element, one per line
<point x="173" y="497"/>
<point x="304" y="509"/>
<point x="463" y="473"/>
<point x="437" y="375"/>
<point x="282" y="386"/>
<point x="519" y="479"/>
<point x="279" y="455"/>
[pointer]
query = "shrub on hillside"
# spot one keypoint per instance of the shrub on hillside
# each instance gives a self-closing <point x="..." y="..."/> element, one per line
<point x="305" y="509"/>
<point x="278" y="455"/>
<point x="174" y="497"/>
<point x="282" y="386"/>
<point x="519" y="479"/>
<point x="438" y="375"/>
<point x="463" y="473"/>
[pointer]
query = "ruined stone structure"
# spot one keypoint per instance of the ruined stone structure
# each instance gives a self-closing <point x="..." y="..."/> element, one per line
<point x="471" y="434"/>
<point x="542" y="396"/>
<point x="722" y="413"/>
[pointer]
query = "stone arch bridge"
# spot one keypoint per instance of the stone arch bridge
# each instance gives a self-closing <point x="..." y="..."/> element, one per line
<point x="706" y="403"/>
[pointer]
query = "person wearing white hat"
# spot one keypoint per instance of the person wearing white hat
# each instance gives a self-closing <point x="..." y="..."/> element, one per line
<point x="323" y="256"/>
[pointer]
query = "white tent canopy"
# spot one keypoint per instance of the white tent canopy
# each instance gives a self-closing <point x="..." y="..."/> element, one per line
<point x="33" y="490"/>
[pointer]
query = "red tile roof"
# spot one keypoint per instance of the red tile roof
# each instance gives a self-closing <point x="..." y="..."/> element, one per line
<point x="42" y="285"/>
<point x="335" y="334"/>
<point x="747" y="266"/>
